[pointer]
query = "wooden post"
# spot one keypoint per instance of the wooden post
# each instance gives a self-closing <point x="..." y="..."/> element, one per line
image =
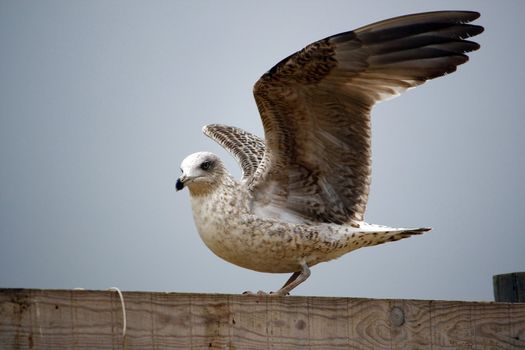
<point x="509" y="287"/>
<point x="80" y="319"/>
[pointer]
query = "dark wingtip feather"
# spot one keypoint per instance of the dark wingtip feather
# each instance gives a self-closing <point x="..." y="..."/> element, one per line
<point x="472" y="30"/>
<point x="472" y="15"/>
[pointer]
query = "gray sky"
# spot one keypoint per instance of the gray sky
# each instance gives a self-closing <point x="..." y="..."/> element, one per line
<point x="101" y="100"/>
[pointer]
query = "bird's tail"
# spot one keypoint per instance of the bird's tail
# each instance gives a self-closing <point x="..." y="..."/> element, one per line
<point x="370" y="235"/>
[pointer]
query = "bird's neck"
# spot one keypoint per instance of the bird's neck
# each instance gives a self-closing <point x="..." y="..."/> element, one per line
<point x="203" y="189"/>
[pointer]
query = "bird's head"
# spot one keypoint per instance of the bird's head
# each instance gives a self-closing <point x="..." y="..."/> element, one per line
<point x="201" y="172"/>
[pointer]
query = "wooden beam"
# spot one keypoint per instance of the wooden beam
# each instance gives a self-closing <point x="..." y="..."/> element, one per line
<point x="77" y="319"/>
<point x="509" y="287"/>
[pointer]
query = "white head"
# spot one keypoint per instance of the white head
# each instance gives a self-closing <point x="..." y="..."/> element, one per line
<point x="201" y="172"/>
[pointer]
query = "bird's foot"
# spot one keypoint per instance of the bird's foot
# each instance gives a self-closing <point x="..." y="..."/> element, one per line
<point x="277" y="294"/>
<point x="260" y="292"/>
<point x="263" y="293"/>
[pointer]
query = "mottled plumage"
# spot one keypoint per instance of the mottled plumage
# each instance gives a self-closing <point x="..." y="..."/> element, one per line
<point x="246" y="148"/>
<point x="304" y="188"/>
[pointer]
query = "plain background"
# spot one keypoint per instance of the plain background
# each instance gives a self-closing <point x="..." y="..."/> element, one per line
<point x="101" y="100"/>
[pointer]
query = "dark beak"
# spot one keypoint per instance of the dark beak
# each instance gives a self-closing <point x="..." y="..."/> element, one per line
<point x="179" y="185"/>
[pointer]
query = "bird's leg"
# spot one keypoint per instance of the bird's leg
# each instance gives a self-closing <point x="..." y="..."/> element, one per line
<point x="296" y="279"/>
<point x="292" y="278"/>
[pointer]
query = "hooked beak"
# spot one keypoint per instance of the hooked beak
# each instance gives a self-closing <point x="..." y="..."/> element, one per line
<point x="179" y="185"/>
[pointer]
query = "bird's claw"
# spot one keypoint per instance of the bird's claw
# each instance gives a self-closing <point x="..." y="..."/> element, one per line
<point x="277" y="294"/>
<point x="262" y="293"/>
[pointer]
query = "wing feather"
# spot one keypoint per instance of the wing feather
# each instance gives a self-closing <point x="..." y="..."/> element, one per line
<point x="315" y="108"/>
<point x="246" y="148"/>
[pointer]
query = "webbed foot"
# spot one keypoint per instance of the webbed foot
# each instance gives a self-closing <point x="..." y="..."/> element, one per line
<point x="260" y="292"/>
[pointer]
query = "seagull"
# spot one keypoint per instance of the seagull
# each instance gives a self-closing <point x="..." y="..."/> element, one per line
<point x="304" y="187"/>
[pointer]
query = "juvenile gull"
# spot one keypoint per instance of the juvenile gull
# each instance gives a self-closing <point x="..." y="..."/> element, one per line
<point x="304" y="188"/>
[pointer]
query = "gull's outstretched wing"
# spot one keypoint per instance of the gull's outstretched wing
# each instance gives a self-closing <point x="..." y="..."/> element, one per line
<point x="315" y="107"/>
<point x="246" y="148"/>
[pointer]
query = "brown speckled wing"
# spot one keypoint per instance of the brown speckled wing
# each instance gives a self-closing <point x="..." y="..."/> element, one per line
<point x="246" y="148"/>
<point x="315" y="107"/>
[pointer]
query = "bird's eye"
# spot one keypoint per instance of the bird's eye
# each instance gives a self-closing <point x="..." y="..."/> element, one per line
<point x="206" y="165"/>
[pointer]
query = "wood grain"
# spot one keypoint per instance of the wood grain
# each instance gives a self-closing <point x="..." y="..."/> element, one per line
<point x="328" y="323"/>
<point x="64" y="319"/>
<point x="288" y="323"/>
<point x="415" y="332"/>
<point x="451" y="324"/>
<point x="517" y="325"/>
<point x="509" y="287"/>
<point x="369" y="324"/>
<point x="250" y="322"/>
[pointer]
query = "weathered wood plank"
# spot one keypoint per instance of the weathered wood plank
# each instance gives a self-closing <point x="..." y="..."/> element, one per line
<point x="491" y="327"/>
<point x="369" y="324"/>
<point x="15" y="320"/>
<point x="451" y="325"/>
<point x="509" y="287"/>
<point x="288" y="323"/>
<point x="410" y="324"/>
<point x="58" y="319"/>
<point x="210" y="322"/>
<point x="328" y="323"/>
<point x="250" y="322"/>
<point x="517" y="325"/>
<point x="171" y="323"/>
